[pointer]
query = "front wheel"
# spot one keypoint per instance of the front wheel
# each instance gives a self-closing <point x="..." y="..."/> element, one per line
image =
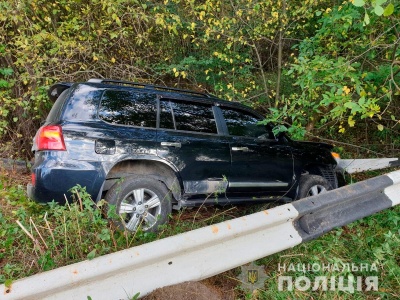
<point x="140" y="202"/>
<point x="311" y="185"/>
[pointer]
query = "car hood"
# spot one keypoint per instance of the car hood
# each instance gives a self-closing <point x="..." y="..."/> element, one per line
<point x="312" y="145"/>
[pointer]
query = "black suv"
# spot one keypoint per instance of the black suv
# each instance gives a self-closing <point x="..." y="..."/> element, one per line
<point x="147" y="149"/>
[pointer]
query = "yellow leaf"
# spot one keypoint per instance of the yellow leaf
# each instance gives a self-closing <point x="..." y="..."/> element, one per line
<point x="380" y="127"/>
<point x="113" y="60"/>
<point x="346" y="90"/>
<point x="202" y="14"/>
<point x="351" y="121"/>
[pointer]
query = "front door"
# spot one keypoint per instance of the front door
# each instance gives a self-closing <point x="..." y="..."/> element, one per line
<point x="261" y="164"/>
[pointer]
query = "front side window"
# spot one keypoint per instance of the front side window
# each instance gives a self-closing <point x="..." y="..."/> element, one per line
<point x="243" y="123"/>
<point x="187" y="116"/>
<point x="129" y="108"/>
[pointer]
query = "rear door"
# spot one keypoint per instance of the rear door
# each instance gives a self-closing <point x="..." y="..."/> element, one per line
<point x="260" y="163"/>
<point x="128" y="130"/>
<point x="188" y="137"/>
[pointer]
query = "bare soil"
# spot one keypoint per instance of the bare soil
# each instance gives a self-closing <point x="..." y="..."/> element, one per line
<point x="203" y="290"/>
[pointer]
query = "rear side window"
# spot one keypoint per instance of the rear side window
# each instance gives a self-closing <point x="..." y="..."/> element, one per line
<point x="243" y="123"/>
<point x="129" y="108"/>
<point x="187" y="116"/>
<point x="83" y="103"/>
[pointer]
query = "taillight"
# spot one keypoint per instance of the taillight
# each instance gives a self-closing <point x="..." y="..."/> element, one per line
<point x="50" y="138"/>
<point x="33" y="179"/>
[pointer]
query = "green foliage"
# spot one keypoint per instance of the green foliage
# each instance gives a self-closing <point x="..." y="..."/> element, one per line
<point x="343" y="75"/>
<point x="377" y="7"/>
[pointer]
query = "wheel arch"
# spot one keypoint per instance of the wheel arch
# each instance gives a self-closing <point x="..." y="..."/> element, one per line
<point x="325" y="171"/>
<point x="153" y="168"/>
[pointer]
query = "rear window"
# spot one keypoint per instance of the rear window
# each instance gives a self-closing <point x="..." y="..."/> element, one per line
<point x="55" y="112"/>
<point x="129" y="108"/>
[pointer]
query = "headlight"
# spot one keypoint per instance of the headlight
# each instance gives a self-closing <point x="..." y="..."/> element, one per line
<point x="335" y="155"/>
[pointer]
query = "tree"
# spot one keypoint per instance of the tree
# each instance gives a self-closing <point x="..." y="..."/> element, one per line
<point x="346" y="72"/>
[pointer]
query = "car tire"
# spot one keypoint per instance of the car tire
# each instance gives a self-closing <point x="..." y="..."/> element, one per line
<point x="311" y="185"/>
<point x="140" y="202"/>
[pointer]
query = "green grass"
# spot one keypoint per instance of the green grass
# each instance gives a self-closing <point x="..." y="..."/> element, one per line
<point x="372" y="240"/>
<point x="36" y="238"/>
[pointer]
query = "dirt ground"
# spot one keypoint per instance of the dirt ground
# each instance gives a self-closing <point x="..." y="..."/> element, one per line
<point x="203" y="290"/>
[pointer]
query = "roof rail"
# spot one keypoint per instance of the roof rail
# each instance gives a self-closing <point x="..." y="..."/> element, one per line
<point x="149" y="86"/>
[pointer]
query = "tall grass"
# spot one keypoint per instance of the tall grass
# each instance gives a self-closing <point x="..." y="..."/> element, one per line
<point x="36" y="238"/>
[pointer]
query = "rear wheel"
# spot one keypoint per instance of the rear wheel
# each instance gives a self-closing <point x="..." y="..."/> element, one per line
<point x="140" y="202"/>
<point x="311" y="185"/>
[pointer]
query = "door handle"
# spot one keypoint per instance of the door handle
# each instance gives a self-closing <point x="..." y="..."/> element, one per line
<point x="244" y="149"/>
<point x="170" y="144"/>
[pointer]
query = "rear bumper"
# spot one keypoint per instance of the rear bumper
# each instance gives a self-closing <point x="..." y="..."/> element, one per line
<point x="54" y="179"/>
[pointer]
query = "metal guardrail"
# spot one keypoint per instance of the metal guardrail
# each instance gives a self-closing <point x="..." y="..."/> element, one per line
<point x="360" y="165"/>
<point x="207" y="251"/>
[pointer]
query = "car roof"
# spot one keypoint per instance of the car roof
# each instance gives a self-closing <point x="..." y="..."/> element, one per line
<point x="163" y="91"/>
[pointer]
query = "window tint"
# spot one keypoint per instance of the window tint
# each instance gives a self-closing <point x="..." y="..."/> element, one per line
<point x="242" y="123"/>
<point x="55" y="111"/>
<point x="187" y="116"/>
<point x="129" y="108"/>
<point x="83" y="103"/>
<point x="166" y="116"/>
